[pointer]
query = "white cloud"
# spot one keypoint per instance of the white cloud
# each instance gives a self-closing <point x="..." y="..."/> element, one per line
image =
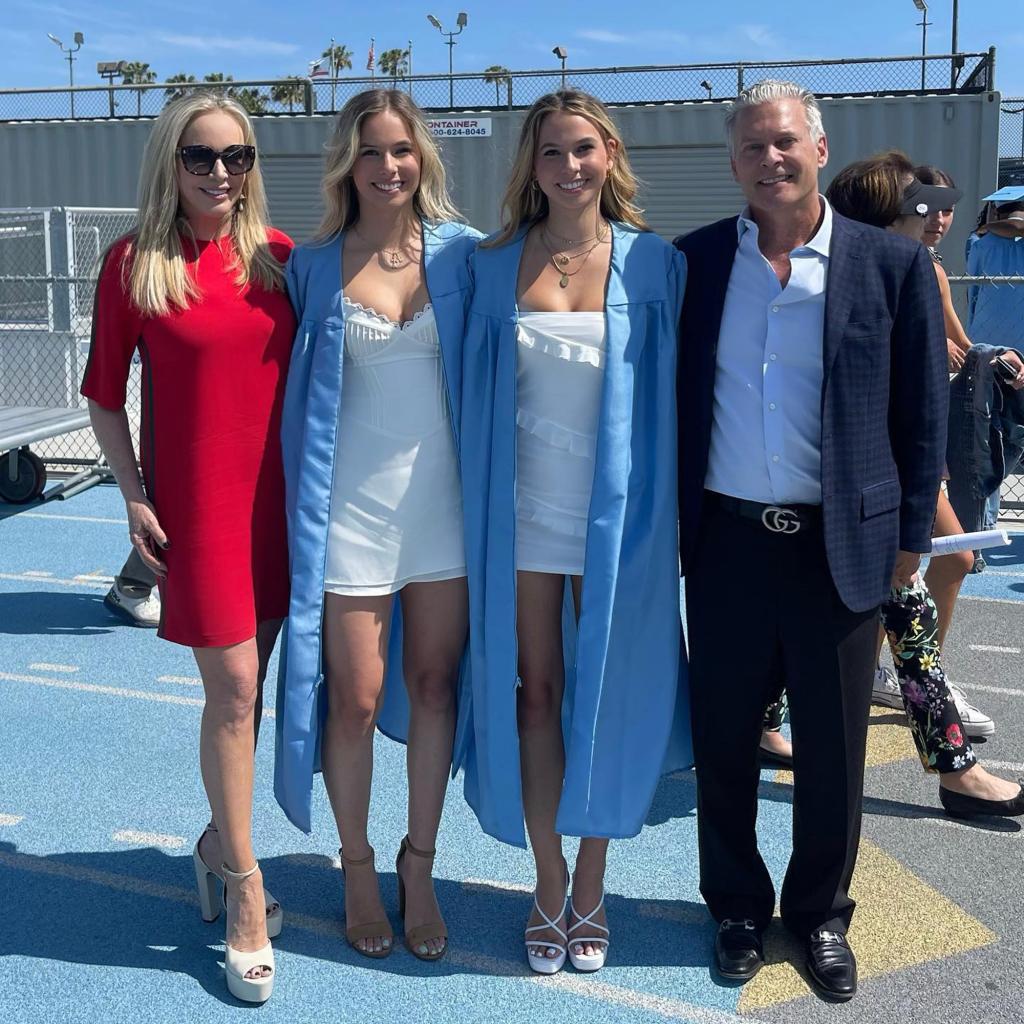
<point x="646" y="37"/>
<point x="227" y="44"/>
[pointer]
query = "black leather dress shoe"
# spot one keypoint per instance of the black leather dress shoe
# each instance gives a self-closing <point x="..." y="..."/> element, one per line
<point x="960" y="805"/>
<point x="739" y="954"/>
<point x="832" y="965"/>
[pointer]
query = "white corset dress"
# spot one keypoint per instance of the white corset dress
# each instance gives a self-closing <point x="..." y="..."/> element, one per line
<point x="396" y="499"/>
<point x="558" y="397"/>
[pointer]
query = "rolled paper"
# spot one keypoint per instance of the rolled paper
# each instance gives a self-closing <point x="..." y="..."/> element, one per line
<point x="969" y="542"/>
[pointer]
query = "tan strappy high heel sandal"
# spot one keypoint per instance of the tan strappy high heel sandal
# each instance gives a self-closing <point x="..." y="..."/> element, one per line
<point x="416" y="937"/>
<point x="373" y="928"/>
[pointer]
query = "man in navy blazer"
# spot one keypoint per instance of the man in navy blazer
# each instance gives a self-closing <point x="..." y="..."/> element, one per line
<point x="812" y="409"/>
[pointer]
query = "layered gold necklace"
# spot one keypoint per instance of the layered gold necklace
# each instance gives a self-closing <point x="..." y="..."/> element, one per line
<point x="561" y="257"/>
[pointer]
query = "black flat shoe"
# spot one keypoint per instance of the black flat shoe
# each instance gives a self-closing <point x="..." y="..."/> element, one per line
<point x="739" y="954"/>
<point x="832" y="965"/>
<point x="960" y="805"/>
<point x="771" y="757"/>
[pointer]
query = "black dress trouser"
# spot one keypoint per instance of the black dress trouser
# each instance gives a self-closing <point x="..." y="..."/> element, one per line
<point x="762" y="608"/>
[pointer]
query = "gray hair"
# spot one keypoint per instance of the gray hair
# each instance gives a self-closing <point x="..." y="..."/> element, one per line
<point x="772" y="90"/>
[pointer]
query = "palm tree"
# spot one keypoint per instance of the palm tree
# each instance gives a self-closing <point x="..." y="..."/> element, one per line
<point x="182" y="80"/>
<point x="499" y="75"/>
<point x="340" y="58"/>
<point x="137" y="72"/>
<point x="291" y="90"/>
<point x="251" y="99"/>
<point x="395" y="63"/>
<point x="218" y="76"/>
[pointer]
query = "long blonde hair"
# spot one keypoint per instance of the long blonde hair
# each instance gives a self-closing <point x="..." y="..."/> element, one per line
<point x="341" y="201"/>
<point x="525" y="203"/>
<point x="159" y="278"/>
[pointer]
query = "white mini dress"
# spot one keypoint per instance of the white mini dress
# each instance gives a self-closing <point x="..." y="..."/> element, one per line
<point x="396" y="498"/>
<point x="558" y="399"/>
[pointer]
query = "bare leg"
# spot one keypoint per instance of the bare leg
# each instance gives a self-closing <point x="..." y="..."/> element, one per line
<point x="946" y="574"/>
<point x="541" y="751"/>
<point x="209" y="841"/>
<point x="226" y="759"/>
<point x="435" y="621"/>
<point x="355" y="646"/>
<point x="976" y="781"/>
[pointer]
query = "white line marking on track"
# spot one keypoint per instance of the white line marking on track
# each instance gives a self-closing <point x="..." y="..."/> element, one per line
<point x="42" y="666"/>
<point x="112" y="691"/>
<point x="995" y="650"/>
<point x="11" y="819"/>
<point x="1002" y="833"/>
<point x="90" y="581"/>
<point x="76" y="519"/>
<point x="990" y="689"/>
<point x="37" y="572"/>
<point x="183" y="680"/>
<point x="1005" y="766"/>
<point x="585" y="988"/>
<point x="992" y="600"/>
<point x="93" y="577"/>
<point x="127" y="835"/>
<point x="486" y="883"/>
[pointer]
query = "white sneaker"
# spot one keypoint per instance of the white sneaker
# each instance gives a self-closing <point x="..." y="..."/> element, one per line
<point x="977" y="724"/>
<point x="139" y="611"/>
<point x="886" y="691"/>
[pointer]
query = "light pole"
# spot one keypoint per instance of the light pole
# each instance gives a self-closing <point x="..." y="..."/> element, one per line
<point x="922" y="6"/>
<point x="461" y="21"/>
<point x="563" y="55"/>
<point x="956" y="63"/>
<point x="110" y="69"/>
<point x="706" y="85"/>
<point x="70" y="51"/>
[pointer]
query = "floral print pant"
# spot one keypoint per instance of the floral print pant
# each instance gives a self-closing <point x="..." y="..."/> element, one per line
<point x="910" y="620"/>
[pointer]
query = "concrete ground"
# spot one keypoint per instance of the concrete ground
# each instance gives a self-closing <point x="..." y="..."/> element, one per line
<point x="100" y="803"/>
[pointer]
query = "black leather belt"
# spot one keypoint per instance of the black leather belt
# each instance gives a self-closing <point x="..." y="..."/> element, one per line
<point x="774" y="518"/>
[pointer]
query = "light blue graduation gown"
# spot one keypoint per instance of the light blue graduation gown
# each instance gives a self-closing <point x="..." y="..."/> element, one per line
<point x="309" y="438"/>
<point x="626" y="708"/>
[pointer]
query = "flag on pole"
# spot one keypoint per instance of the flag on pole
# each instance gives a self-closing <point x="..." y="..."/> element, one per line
<point x="315" y="70"/>
<point x="370" y="58"/>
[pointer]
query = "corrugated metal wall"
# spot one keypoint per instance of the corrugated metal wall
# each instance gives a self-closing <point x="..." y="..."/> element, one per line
<point x="677" y="150"/>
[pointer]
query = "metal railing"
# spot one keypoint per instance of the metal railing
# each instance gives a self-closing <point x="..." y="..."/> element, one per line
<point x="676" y="83"/>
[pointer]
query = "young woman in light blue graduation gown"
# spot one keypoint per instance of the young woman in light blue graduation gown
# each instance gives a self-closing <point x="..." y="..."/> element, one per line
<point x="374" y="502"/>
<point x="569" y="468"/>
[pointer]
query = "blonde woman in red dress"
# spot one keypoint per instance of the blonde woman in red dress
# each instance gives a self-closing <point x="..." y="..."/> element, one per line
<point x="197" y="290"/>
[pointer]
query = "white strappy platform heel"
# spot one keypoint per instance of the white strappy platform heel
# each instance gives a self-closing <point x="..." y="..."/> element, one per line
<point x="237" y="964"/>
<point x="583" y="961"/>
<point x="211" y="904"/>
<point x="540" y="962"/>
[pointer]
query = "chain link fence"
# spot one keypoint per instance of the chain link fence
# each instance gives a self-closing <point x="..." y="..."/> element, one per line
<point x="497" y="88"/>
<point x="992" y="311"/>
<point x="49" y="259"/>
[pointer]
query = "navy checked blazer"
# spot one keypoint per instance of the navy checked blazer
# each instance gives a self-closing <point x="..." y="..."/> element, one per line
<point x="883" y="405"/>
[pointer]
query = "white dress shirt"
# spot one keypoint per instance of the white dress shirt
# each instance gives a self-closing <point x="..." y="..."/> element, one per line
<point x="766" y="431"/>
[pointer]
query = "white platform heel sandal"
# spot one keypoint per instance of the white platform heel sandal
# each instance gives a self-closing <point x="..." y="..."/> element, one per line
<point x="238" y="964"/>
<point x="211" y="902"/>
<point x="583" y="961"/>
<point x="541" y="962"/>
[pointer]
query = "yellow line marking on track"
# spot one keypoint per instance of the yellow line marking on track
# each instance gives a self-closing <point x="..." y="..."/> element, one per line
<point x="585" y="988"/>
<point x="112" y="691"/>
<point x="23" y="578"/>
<point x="184" y="680"/>
<point x="42" y="666"/>
<point x="11" y="819"/>
<point x="127" y="835"/>
<point x="889" y="738"/>
<point x="886" y="932"/>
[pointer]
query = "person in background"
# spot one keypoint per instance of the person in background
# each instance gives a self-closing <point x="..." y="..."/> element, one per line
<point x="134" y="595"/>
<point x="884" y="191"/>
<point x="202" y="258"/>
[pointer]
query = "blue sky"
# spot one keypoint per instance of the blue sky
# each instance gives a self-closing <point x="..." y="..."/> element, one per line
<point x="261" y="39"/>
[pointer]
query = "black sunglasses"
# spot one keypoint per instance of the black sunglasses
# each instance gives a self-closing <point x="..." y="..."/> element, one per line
<point x="202" y="159"/>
